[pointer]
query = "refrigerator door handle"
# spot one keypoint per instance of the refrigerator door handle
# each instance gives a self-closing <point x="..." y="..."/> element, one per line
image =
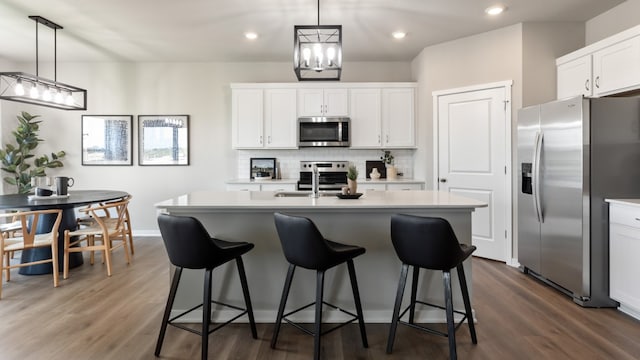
<point x="537" y="154"/>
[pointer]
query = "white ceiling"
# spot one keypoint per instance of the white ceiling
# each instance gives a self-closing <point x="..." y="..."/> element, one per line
<point x="213" y="30"/>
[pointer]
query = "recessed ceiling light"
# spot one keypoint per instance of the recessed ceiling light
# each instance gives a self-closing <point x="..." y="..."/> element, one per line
<point x="251" y="35"/>
<point x="495" y="10"/>
<point x="399" y="34"/>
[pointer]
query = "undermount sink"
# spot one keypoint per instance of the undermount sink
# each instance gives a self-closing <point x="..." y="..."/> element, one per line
<point x="302" y="193"/>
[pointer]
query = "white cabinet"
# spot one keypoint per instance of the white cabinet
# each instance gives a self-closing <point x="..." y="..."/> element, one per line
<point x="256" y="186"/>
<point x="398" y="118"/>
<point x="264" y="118"/>
<point x="607" y="67"/>
<point x="383" y="185"/>
<point x="382" y="118"/>
<point x="280" y="119"/>
<point x="247" y="118"/>
<point x="323" y="102"/>
<point x="624" y="247"/>
<point x="574" y="78"/>
<point x="408" y="186"/>
<point x="366" y="119"/>
<point x="616" y="68"/>
<point x="368" y="186"/>
<point x="243" y="187"/>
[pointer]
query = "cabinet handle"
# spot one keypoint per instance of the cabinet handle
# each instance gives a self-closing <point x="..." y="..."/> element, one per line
<point x="269" y="139"/>
<point x="387" y="139"/>
<point x="379" y="139"/>
<point x="321" y="109"/>
<point x="598" y="82"/>
<point x="586" y="85"/>
<point x="637" y="219"/>
<point x="260" y="139"/>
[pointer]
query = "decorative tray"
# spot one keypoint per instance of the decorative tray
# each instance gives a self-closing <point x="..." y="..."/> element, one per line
<point x="37" y="197"/>
<point x="349" y="196"/>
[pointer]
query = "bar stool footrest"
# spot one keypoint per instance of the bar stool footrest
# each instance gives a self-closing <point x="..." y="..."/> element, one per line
<point x="309" y="332"/>
<point x="426" y="329"/>
<point x="171" y="321"/>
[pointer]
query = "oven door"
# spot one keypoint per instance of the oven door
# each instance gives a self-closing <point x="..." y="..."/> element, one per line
<point x="329" y="180"/>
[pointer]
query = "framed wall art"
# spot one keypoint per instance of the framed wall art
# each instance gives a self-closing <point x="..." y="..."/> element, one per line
<point x="163" y="139"/>
<point x="262" y="168"/>
<point x="107" y="139"/>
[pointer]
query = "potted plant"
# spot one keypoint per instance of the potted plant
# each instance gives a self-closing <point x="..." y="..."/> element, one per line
<point x="16" y="158"/>
<point x="388" y="160"/>
<point x="352" y="177"/>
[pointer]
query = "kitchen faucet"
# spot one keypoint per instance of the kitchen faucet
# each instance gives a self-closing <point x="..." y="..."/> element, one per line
<point x="315" y="181"/>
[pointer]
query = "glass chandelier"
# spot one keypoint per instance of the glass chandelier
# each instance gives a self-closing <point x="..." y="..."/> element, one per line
<point x="33" y="89"/>
<point x="317" y="51"/>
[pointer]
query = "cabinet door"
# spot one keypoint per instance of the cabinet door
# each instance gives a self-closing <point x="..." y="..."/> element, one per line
<point x="367" y="186"/>
<point x="401" y="186"/>
<point x="336" y="102"/>
<point x="278" y="187"/>
<point x="243" y="187"/>
<point x="617" y="68"/>
<point x="280" y="119"/>
<point x="310" y="102"/>
<point x="365" y="116"/>
<point x="398" y="118"/>
<point x="247" y="118"/>
<point x="574" y="78"/>
<point x="624" y="245"/>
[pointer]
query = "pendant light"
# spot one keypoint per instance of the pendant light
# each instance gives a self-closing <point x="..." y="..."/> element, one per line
<point x="33" y="89"/>
<point x="317" y="51"/>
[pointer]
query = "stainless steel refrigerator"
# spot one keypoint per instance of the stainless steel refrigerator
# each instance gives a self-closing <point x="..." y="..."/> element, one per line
<point x="572" y="154"/>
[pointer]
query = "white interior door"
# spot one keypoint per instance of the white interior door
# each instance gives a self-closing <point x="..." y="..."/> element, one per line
<point x="472" y="161"/>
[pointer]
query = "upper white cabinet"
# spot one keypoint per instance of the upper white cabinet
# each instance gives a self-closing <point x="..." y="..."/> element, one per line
<point x="247" y="118"/>
<point x="366" y="118"/>
<point x="574" y="78"/>
<point x="382" y="118"/>
<point x="323" y="102"/>
<point x="398" y="117"/>
<point x="610" y="66"/>
<point x="263" y="118"/>
<point x="616" y="68"/>
<point x="280" y="118"/>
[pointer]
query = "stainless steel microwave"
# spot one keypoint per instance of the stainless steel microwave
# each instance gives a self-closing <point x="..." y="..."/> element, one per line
<point x="324" y="132"/>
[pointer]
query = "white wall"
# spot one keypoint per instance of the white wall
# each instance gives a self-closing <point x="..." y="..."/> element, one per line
<point x="200" y="90"/>
<point x="621" y="17"/>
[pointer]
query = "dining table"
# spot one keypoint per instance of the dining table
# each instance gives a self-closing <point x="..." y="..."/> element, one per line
<point x="67" y="204"/>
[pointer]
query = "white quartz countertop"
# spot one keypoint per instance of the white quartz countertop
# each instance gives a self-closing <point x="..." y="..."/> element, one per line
<point x="632" y="202"/>
<point x="238" y="200"/>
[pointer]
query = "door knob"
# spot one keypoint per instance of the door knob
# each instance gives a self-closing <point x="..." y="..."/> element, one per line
<point x="443" y="180"/>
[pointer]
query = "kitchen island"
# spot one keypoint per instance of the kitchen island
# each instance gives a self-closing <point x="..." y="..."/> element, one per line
<point x="248" y="216"/>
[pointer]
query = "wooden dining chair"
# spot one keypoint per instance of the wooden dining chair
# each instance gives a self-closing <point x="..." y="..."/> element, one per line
<point x="102" y="233"/>
<point x="10" y="229"/>
<point x="26" y="238"/>
<point x="109" y="217"/>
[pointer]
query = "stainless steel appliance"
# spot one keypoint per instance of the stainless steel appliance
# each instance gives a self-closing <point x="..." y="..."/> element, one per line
<point x="332" y="175"/>
<point x="323" y="132"/>
<point x="571" y="155"/>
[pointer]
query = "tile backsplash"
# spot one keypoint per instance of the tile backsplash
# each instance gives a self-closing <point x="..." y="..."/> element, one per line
<point x="289" y="160"/>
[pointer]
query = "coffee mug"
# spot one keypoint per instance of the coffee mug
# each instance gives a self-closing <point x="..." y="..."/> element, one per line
<point x="62" y="184"/>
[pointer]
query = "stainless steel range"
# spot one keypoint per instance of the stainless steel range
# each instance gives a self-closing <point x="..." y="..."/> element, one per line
<point x="332" y="175"/>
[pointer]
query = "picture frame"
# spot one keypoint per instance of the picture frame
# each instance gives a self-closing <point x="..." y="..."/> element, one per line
<point x="107" y="140"/>
<point x="262" y="165"/>
<point x="163" y="140"/>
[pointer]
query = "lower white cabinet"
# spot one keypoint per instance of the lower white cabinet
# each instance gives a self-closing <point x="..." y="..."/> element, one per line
<point x="382" y="186"/>
<point x="624" y="247"/>
<point x="254" y="186"/>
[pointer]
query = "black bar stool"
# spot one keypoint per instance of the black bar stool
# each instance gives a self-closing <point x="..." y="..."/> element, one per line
<point x="189" y="246"/>
<point x="304" y="246"/>
<point x="430" y="243"/>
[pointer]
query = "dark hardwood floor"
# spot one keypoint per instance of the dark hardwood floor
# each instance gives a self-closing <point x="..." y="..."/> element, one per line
<point x="91" y="316"/>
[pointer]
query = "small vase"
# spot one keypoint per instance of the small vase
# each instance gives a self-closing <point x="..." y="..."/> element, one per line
<point x="375" y="174"/>
<point x="392" y="172"/>
<point x="353" y="186"/>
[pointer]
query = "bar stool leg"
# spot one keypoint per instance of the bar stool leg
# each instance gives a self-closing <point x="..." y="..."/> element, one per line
<point x="414" y="292"/>
<point x="396" y="308"/>
<point x="318" y="325"/>
<point x="467" y="303"/>
<point x="167" y="309"/>
<point x="247" y="298"/>
<point x="283" y="303"/>
<point x="206" y="313"/>
<point x="451" y="327"/>
<point x="356" y="299"/>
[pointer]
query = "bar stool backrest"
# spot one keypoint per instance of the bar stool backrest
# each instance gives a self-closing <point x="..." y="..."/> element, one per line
<point x="302" y="243"/>
<point x="426" y="242"/>
<point x="188" y="243"/>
